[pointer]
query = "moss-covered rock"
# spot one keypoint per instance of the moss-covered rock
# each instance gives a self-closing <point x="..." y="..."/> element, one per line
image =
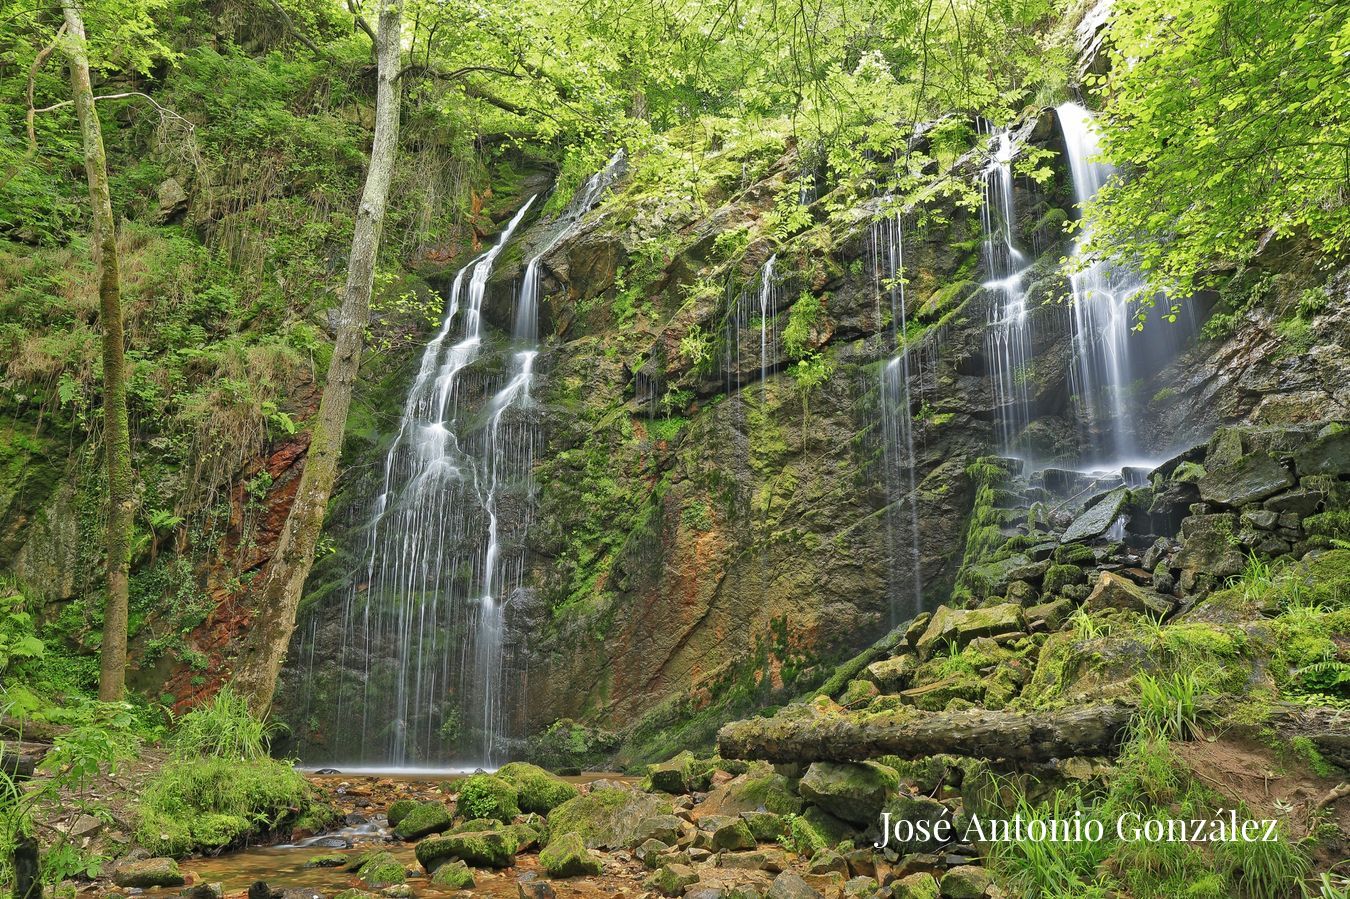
<point x="671" y="880"/>
<point x="425" y="819"/>
<point x="481" y="849"/>
<point x="916" y="886"/>
<point x="760" y="789"/>
<point x="568" y="856"/>
<point x="331" y="860"/>
<point x="146" y="873"/>
<point x="731" y="834"/>
<point x="399" y="809"/>
<point x="606" y="818"/>
<point x="851" y="791"/>
<point x="765" y="826"/>
<point x="537" y="790"/>
<point x="1059" y="576"/>
<point x="487" y="796"/>
<point x="382" y="870"/>
<point x="454" y="875"/>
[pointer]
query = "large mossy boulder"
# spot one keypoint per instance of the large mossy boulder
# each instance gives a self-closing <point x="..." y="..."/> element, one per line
<point x="1097" y="519"/>
<point x="487" y="796"/>
<point x="892" y="675"/>
<point x="537" y="790"/>
<point x="568" y="856"/>
<point x="677" y="775"/>
<point x="854" y="792"/>
<point x="1248" y="480"/>
<point x="480" y="849"/>
<point x="381" y="870"/>
<point x="424" y="820"/>
<point x="1115" y="592"/>
<point x="957" y="627"/>
<point x="759" y="789"/>
<point x="399" y="809"/>
<point x="606" y="818"/>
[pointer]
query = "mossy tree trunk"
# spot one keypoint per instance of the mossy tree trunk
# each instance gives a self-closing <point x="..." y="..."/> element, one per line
<point x="116" y="436"/>
<point x="278" y="597"/>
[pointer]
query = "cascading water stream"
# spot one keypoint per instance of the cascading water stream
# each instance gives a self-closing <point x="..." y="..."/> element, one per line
<point x="886" y="241"/>
<point x="1009" y="337"/>
<point x="755" y="310"/>
<point x="424" y="637"/>
<point x="1103" y="307"/>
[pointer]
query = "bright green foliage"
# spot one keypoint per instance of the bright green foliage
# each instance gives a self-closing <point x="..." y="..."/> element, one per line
<point x="486" y="796"/>
<point x="222" y="728"/>
<point x="1170" y="706"/>
<point x="1231" y="117"/>
<point x="210" y="804"/>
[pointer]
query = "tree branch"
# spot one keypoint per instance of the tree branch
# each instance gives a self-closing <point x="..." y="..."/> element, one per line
<point x="294" y="30"/>
<point x="361" y="21"/>
<point x="38" y="62"/>
<point x="163" y="110"/>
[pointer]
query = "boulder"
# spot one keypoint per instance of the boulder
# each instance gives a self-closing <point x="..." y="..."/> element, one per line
<point x="530" y="886"/>
<point x="957" y="627"/>
<point x="481" y="849"/>
<point x="1329" y="454"/>
<point x="568" y="856"/>
<point x="1249" y="480"/>
<point x="381" y="870"/>
<point x="146" y="873"/>
<point x="671" y="880"/>
<point x="1050" y="614"/>
<point x="920" y="885"/>
<point x="1207" y="547"/>
<point x="1115" y="592"/>
<point x="770" y="860"/>
<point x="454" y="875"/>
<point x="766" y="826"/>
<point x="892" y="675"/>
<point x="1098" y="518"/>
<point x="790" y="885"/>
<point x="663" y="828"/>
<point x="537" y="790"/>
<point x="326" y="861"/>
<point x="759" y="789"/>
<point x="607" y="817"/>
<point x="925" y="815"/>
<point x="825" y="861"/>
<point x="171" y="199"/>
<point x="399" y="809"/>
<point x="674" y="775"/>
<point x="966" y="882"/>
<point x="852" y="791"/>
<point x="732" y="834"/>
<point x="424" y="820"/>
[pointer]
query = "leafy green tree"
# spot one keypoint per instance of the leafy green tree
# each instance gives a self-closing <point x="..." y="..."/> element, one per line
<point x="1231" y="119"/>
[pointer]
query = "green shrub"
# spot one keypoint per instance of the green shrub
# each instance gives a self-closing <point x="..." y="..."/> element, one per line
<point x="214" y="803"/>
<point x="488" y="796"/>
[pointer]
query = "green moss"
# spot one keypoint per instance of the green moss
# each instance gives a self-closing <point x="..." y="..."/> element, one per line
<point x="382" y="870"/>
<point x="426" y="818"/>
<point x="399" y="809"/>
<point x="537" y="790"/>
<point x="454" y="875"/>
<point x="1059" y="576"/>
<point x="487" y="796"/>
<point x="212" y="804"/>
<point x="802" y="837"/>
<point x="567" y="856"/>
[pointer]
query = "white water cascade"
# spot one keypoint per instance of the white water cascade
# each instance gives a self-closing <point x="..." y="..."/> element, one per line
<point x="1104" y="308"/>
<point x="423" y="669"/>
<point x="1009" y="338"/>
<point x="754" y="311"/>
<point x="886" y="248"/>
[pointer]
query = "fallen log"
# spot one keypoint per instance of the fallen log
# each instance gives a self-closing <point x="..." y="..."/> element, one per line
<point x="823" y="732"/>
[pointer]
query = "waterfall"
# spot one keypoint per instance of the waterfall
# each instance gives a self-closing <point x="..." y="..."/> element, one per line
<point x="1103" y="307"/>
<point x="422" y="669"/>
<point x="886" y="245"/>
<point x="753" y="310"/>
<point x="1009" y="338"/>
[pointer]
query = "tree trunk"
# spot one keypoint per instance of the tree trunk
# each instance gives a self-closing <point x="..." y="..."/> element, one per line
<point x="264" y="649"/>
<point x="809" y="734"/>
<point x="116" y="435"/>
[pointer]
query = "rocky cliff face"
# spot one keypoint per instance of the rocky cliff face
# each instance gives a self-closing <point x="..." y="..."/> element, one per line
<point x="717" y="516"/>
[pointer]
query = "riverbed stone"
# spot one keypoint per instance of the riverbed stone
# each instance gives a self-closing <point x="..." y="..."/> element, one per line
<point x="424" y="820"/>
<point x="853" y="791"/>
<point x="148" y="872"/>
<point x="732" y="834"/>
<point x="399" y="809"/>
<point x="531" y="886"/>
<point x="537" y="790"/>
<point x="790" y="885"/>
<point x="381" y="870"/>
<point x="665" y="828"/>
<point x="920" y="885"/>
<point x="454" y="875"/>
<point x="481" y="849"/>
<point x="924" y="813"/>
<point x="326" y="861"/>
<point x="568" y="856"/>
<point x="671" y="880"/>
<point x="766" y="826"/>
